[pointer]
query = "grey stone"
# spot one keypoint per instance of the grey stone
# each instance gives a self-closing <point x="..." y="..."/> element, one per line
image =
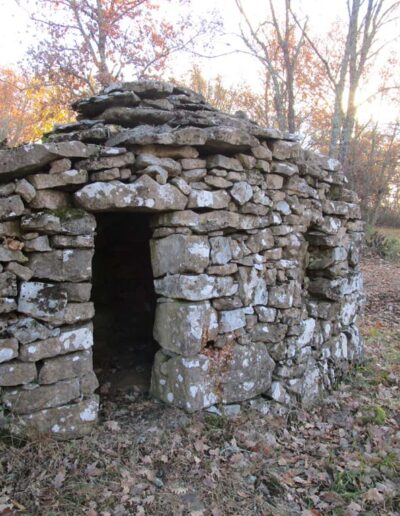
<point x="195" y="288"/>
<point x="220" y="161"/>
<point x="39" y="244"/>
<point x="65" y="422"/>
<point x="73" y="265"/>
<point x="8" y="284"/>
<point x="221" y="252"/>
<point x="284" y="169"/>
<point x="65" y="367"/>
<point x="25" y="401"/>
<point x="16" y="373"/>
<point x="106" y="175"/>
<point x="282" y="149"/>
<point x="252" y="286"/>
<point x="67" y="241"/>
<point x="230" y="320"/>
<point x="29" y="158"/>
<point x="241" y="192"/>
<point x="173" y="167"/>
<point x="8" y="349"/>
<point x="144" y="194"/>
<point x="282" y="296"/>
<point x="27" y="330"/>
<point x="59" y="166"/>
<point x="69" y="177"/>
<point x="216" y="200"/>
<point x="190" y="164"/>
<point x="70" y="222"/>
<point x="178" y="254"/>
<point x="25" y="190"/>
<point x="11" y="207"/>
<point x="109" y="162"/>
<point x="194" y="325"/>
<point x="273" y="182"/>
<point x="42" y="300"/>
<point x="260" y="241"/>
<point x="78" y="292"/>
<point x="20" y="271"/>
<point x="78" y="312"/>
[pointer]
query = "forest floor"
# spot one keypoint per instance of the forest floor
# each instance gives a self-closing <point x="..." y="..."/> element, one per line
<point x="341" y="457"/>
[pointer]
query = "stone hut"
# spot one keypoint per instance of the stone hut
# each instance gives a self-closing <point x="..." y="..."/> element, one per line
<point x="223" y="258"/>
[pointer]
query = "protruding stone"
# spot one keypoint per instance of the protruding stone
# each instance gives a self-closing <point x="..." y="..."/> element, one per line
<point x="65" y="367"/>
<point x="241" y="192"/>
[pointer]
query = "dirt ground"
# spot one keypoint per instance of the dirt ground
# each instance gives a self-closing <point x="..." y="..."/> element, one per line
<point x="340" y="458"/>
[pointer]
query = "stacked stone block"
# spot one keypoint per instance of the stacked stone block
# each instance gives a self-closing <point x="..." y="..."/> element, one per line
<point x="255" y="255"/>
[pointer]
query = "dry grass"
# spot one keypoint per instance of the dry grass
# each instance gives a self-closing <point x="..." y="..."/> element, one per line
<point x="340" y="458"/>
<point x="388" y="231"/>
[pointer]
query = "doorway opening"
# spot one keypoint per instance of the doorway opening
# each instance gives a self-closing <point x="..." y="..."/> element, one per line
<point x="124" y="299"/>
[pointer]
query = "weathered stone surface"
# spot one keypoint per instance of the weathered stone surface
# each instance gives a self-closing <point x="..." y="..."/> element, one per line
<point x="185" y="382"/>
<point x="25" y="401"/>
<point x="194" y="325"/>
<point x="8" y="349"/>
<point x="144" y="194"/>
<point x="221" y="252"/>
<point x="29" y="158"/>
<point x="281" y="296"/>
<point x="44" y="301"/>
<point x="179" y="254"/>
<point x="70" y="222"/>
<point x="67" y="241"/>
<point x="39" y="244"/>
<point x="131" y="117"/>
<point x="269" y="332"/>
<point x="8" y="284"/>
<point x="78" y="292"/>
<point x="51" y="200"/>
<point x="247" y="374"/>
<point x="11" y="255"/>
<point x="241" y="192"/>
<point x="20" y="271"/>
<point x="73" y="265"/>
<point x="284" y="169"/>
<point x="108" y="162"/>
<point x="25" y="190"/>
<point x="78" y="312"/>
<point x="230" y="320"/>
<point x="229" y="139"/>
<point x="65" y="367"/>
<point x="16" y="373"/>
<point x="107" y="175"/>
<point x="221" y="161"/>
<point x="65" y="422"/>
<point x="170" y="165"/>
<point x="60" y="165"/>
<point x="195" y="288"/>
<point x="252" y="286"/>
<point x="11" y="207"/>
<point x="69" y="177"/>
<point x="260" y="241"/>
<point x="216" y="200"/>
<point x="27" y="330"/>
<point x="70" y="339"/>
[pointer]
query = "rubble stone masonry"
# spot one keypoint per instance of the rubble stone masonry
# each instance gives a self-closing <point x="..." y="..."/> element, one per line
<point x="255" y="254"/>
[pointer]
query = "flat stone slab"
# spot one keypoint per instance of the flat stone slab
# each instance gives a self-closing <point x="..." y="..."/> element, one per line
<point x="144" y="195"/>
<point x="29" y="158"/>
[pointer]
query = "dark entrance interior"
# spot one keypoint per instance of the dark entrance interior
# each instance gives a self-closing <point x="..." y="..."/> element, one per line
<point x="125" y="300"/>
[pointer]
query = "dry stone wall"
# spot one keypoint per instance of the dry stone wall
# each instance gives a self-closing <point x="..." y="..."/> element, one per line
<point x="255" y="255"/>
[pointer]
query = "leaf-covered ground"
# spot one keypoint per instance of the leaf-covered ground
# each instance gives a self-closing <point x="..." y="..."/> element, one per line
<point x="342" y="457"/>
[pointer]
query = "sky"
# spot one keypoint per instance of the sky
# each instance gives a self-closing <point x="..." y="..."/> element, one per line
<point x="15" y="37"/>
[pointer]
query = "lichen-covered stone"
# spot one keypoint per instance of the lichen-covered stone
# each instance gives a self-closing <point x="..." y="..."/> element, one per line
<point x="144" y="194"/>
<point x="179" y="254"/>
<point x="195" y="288"/>
<point x="195" y="324"/>
<point x="37" y="397"/>
<point x="17" y="373"/>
